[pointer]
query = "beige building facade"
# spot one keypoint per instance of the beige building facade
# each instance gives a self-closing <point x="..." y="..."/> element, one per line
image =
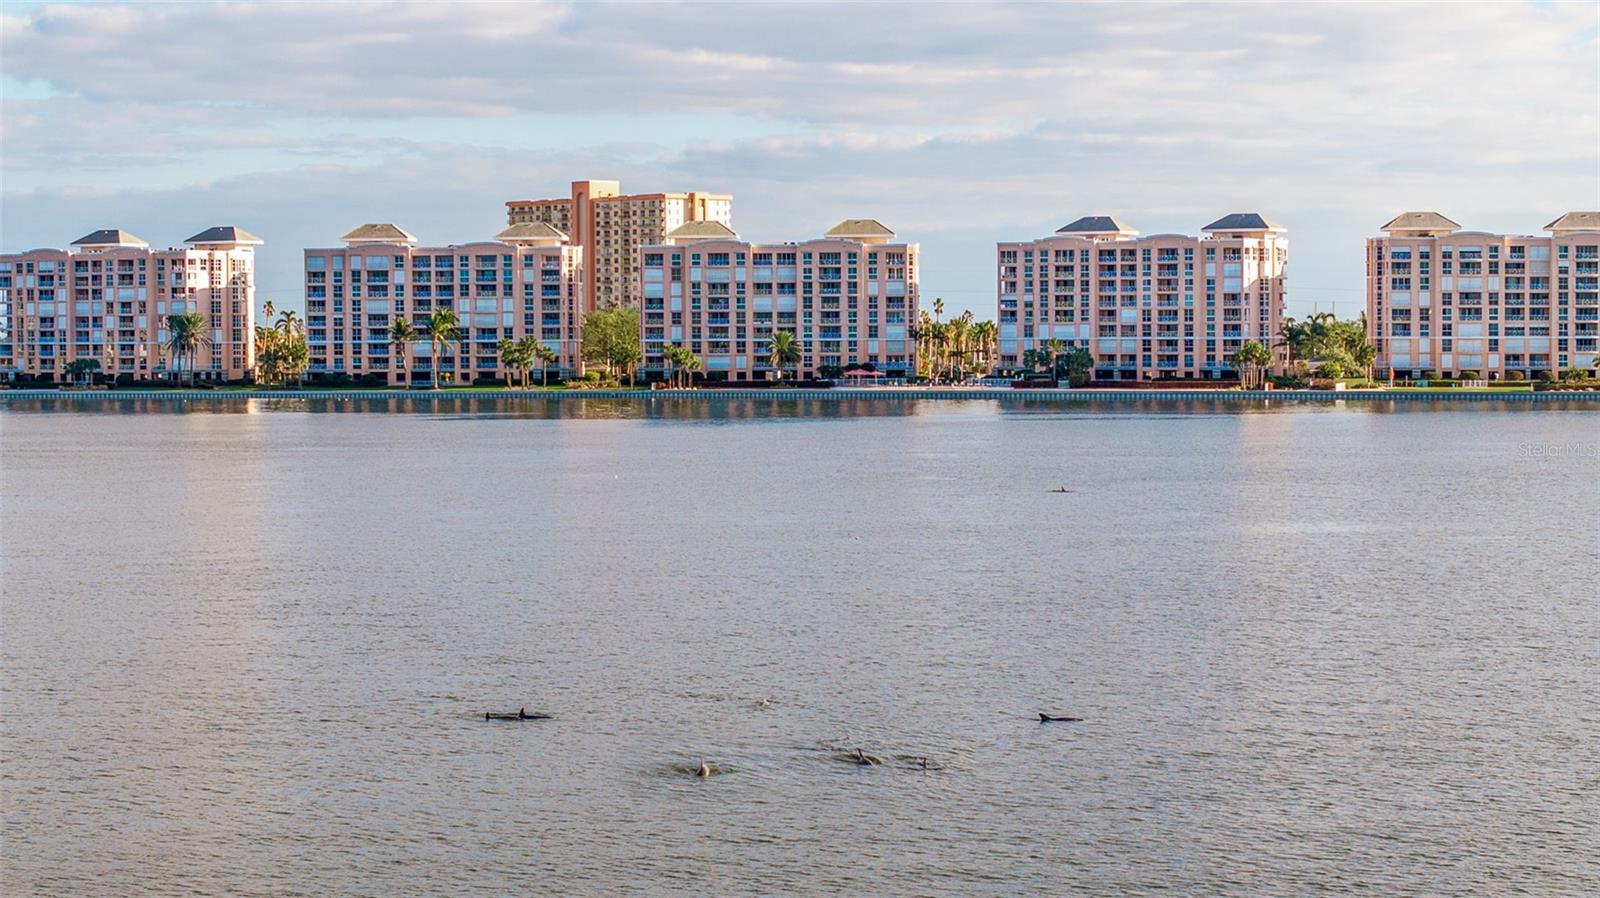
<point x="850" y="297"/>
<point x="1163" y="306"/>
<point x="1447" y="302"/>
<point x="610" y="226"/>
<point x="527" y="281"/>
<point x="108" y="299"/>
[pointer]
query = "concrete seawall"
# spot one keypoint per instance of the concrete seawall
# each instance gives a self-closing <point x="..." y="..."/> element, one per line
<point x="886" y="394"/>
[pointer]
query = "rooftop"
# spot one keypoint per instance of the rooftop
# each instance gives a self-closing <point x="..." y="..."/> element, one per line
<point x="859" y="229"/>
<point x="1097" y="224"/>
<point x="225" y="234"/>
<point x="1244" y="221"/>
<point x="1575" y="221"/>
<point x="379" y="233"/>
<point x="110" y="237"/>
<point x="532" y="232"/>
<point x="1426" y="222"/>
<point x="702" y="230"/>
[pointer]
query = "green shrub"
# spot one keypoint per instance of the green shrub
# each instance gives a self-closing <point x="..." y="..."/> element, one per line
<point x="1547" y="376"/>
<point x="593" y="380"/>
<point x="1470" y="375"/>
<point x="1516" y="376"/>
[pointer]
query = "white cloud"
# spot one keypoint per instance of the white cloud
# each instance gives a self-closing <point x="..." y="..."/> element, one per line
<point x="954" y="120"/>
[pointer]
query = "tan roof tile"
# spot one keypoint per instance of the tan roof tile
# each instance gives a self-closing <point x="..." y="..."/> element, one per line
<point x="1420" y="221"/>
<point x="1576" y="221"/>
<point x="1097" y="224"/>
<point x="110" y="237"/>
<point x="225" y="234"/>
<point x="379" y="233"/>
<point x="858" y="227"/>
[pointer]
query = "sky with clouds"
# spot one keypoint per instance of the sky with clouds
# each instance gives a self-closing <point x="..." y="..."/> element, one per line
<point x="957" y="124"/>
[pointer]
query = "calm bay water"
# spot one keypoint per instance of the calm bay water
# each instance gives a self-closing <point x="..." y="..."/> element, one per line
<point x="1320" y="649"/>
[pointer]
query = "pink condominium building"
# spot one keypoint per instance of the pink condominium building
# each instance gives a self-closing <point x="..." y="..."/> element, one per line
<point x="1440" y="299"/>
<point x="108" y="299"/>
<point x="610" y="226"/>
<point x="1161" y="306"/>
<point x="527" y="281"/>
<point x="849" y="297"/>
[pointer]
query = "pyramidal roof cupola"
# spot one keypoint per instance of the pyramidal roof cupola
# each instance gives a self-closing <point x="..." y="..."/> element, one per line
<point x="1419" y="224"/>
<point x="383" y="232"/>
<point x="106" y="238"/>
<point x="865" y="230"/>
<point x="1098" y="226"/>
<point x="224" y="236"/>
<point x="532" y="233"/>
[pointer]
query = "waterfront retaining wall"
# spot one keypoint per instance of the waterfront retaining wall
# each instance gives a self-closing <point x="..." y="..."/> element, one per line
<point x="887" y="394"/>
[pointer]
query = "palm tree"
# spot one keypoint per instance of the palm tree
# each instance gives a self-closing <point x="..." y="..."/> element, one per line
<point x="1050" y="350"/>
<point x="510" y="355"/>
<point x="682" y="363"/>
<point x="782" y="351"/>
<point x="401" y="335"/>
<point x="1365" y="356"/>
<point x="919" y="340"/>
<point x="959" y="334"/>
<point x="267" y="356"/>
<point x="265" y="363"/>
<point x="524" y="352"/>
<point x="669" y="358"/>
<point x="1291" y="336"/>
<point x="1318" y="333"/>
<point x="293" y="329"/>
<point x="186" y="333"/>
<point x="82" y="370"/>
<point x="932" y="340"/>
<point x="545" y="356"/>
<point x="690" y="363"/>
<point x="1250" y="360"/>
<point x="938" y="346"/>
<point x="984" y="337"/>
<point x="442" y="328"/>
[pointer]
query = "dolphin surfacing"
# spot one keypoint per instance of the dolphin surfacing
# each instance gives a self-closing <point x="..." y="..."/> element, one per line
<point x="522" y="714"/>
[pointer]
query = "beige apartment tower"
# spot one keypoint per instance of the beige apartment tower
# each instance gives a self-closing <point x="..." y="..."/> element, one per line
<point x="610" y="226"/>
<point x="1449" y="302"/>
<point x="109" y="297"/>
<point x="850" y="298"/>
<point x="526" y="282"/>
<point x="1154" y="307"/>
